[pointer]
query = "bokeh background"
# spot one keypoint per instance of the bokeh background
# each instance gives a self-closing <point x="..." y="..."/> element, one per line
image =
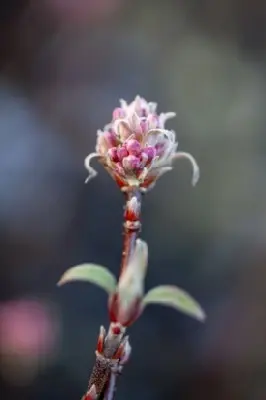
<point x="64" y="66"/>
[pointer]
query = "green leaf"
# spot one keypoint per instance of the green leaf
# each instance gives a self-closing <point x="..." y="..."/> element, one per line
<point x="174" y="297"/>
<point x="91" y="273"/>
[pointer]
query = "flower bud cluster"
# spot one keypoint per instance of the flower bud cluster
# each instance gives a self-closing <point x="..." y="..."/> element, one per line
<point x="135" y="147"/>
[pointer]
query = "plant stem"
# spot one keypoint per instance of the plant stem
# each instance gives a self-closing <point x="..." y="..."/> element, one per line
<point x="111" y="387"/>
<point x="132" y="226"/>
<point x="102" y="376"/>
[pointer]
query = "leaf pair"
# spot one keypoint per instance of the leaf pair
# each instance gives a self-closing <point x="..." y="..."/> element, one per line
<point x="165" y="295"/>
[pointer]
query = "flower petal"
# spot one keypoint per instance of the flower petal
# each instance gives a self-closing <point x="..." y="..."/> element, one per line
<point x="92" y="273"/>
<point x="174" y="297"/>
<point x="163" y="117"/>
<point x="137" y="104"/>
<point x="134" y="121"/>
<point x="158" y="171"/>
<point x="196" y="170"/>
<point x="154" y="134"/>
<point x="122" y="129"/>
<point x="123" y="104"/>
<point x="152" y="107"/>
<point x="92" y="171"/>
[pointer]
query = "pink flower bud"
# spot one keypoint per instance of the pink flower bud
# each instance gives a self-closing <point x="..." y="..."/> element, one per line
<point x="144" y="159"/>
<point x="131" y="163"/>
<point x="111" y="139"/>
<point x="150" y="151"/>
<point x="122" y="153"/>
<point x="112" y="153"/>
<point x="133" y="147"/>
<point x="118" y="113"/>
<point x="119" y="170"/>
<point x="160" y="148"/>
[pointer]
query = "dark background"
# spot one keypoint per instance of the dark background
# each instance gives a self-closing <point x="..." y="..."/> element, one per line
<point x="64" y="66"/>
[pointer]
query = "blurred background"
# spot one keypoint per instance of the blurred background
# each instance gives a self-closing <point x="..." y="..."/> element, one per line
<point x="64" y="66"/>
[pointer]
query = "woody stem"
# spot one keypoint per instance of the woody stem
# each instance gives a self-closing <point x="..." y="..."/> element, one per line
<point x="106" y="381"/>
<point x="132" y="227"/>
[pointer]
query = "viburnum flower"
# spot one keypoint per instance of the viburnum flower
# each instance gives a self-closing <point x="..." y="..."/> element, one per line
<point x="135" y="148"/>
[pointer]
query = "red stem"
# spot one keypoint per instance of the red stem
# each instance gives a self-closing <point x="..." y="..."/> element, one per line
<point x="132" y="226"/>
<point x="100" y="375"/>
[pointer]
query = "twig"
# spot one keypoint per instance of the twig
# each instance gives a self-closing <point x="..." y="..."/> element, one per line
<point x="132" y="224"/>
<point x="107" y="366"/>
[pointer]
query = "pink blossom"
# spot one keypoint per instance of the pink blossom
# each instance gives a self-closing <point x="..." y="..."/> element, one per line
<point x="135" y="148"/>
<point x="131" y="163"/>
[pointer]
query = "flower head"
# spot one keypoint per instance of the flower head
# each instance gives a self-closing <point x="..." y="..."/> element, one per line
<point x="135" y="148"/>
